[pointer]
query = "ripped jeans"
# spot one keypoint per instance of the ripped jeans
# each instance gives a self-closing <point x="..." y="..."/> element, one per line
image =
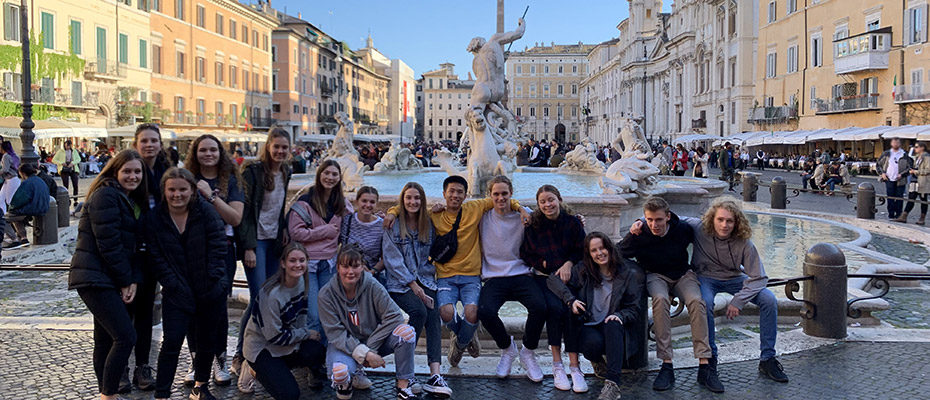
<point x="341" y="366"/>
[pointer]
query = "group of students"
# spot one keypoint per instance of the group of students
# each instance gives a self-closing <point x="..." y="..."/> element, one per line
<point x="329" y="281"/>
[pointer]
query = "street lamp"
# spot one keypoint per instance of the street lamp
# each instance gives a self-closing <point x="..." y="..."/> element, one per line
<point x="28" y="152"/>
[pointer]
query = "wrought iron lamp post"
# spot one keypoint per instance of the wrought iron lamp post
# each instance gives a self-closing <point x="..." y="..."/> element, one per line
<point x="27" y="136"/>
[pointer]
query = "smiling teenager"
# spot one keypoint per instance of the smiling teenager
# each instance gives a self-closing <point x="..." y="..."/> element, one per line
<point x="365" y="228"/>
<point x="411" y="278"/>
<point x="187" y="244"/>
<point x="277" y="338"/>
<point x="105" y="268"/>
<point x="552" y="244"/>
<point x="218" y="182"/>
<point x="325" y="205"/>
<point x="260" y="234"/>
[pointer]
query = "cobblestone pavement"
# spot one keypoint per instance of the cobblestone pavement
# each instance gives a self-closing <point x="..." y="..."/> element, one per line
<point x="48" y="364"/>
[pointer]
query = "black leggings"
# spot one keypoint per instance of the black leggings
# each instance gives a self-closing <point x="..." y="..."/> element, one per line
<point x="141" y="310"/>
<point x="175" y="323"/>
<point x="223" y="331"/>
<point x="275" y="375"/>
<point x="556" y="313"/>
<point x="910" y="204"/>
<point x="592" y="342"/>
<point x="113" y="336"/>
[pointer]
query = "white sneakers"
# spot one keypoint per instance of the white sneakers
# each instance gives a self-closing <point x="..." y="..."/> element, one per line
<point x="528" y="359"/>
<point x="560" y="380"/>
<point x="508" y="355"/>
<point x="246" y="382"/>
<point x="221" y="375"/>
<point x="578" y="383"/>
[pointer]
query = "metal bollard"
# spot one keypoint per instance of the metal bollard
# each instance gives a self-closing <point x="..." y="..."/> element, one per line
<point x="779" y="193"/>
<point x="750" y="186"/>
<point x="865" y="201"/>
<point x="45" y="227"/>
<point x="64" y="217"/>
<point x="827" y="291"/>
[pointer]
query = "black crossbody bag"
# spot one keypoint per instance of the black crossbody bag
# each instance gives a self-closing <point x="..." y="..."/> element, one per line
<point x="444" y="246"/>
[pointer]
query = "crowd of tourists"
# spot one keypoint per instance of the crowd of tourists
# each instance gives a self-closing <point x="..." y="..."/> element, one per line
<point x="330" y="280"/>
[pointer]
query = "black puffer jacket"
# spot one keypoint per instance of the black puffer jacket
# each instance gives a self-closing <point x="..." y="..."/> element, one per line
<point x="189" y="266"/>
<point x="105" y="256"/>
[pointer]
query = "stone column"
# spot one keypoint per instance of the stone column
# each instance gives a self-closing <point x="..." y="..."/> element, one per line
<point x="827" y="291"/>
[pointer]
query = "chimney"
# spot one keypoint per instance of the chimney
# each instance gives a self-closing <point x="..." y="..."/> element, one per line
<point x="469" y="75"/>
<point x="299" y="16"/>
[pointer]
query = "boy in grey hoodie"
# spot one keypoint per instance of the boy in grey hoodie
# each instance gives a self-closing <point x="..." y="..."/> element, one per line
<point x="363" y="325"/>
<point x="726" y="260"/>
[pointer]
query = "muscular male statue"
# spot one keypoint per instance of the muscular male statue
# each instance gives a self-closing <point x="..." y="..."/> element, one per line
<point x="488" y="65"/>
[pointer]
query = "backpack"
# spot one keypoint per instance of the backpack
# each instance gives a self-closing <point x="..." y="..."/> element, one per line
<point x="445" y="246"/>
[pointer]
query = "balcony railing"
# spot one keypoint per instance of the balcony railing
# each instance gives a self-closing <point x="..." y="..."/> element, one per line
<point x="104" y="69"/>
<point x="326" y="91"/>
<point x="911" y="93"/>
<point x="326" y="119"/>
<point x="698" y="123"/>
<point x="772" y="115"/>
<point x="51" y="96"/>
<point x="262" y="122"/>
<point x="862" y="102"/>
<point x="863" y="52"/>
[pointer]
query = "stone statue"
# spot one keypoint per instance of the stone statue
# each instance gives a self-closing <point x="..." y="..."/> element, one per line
<point x="398" y="158"/>
<point x="488" y="65"/>
<point x="633" y="172"/>
<point x="583" y="158"/>
<point x="345" y="154"/>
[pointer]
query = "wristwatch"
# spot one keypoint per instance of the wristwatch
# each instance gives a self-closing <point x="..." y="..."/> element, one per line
<point x="212" y="198"/>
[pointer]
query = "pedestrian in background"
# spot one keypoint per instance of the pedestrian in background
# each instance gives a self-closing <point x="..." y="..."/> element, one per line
<point x="918" y="185"/>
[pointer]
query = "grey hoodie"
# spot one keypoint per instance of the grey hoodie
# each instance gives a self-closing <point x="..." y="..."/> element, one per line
<point x="361" y="324"/>
<point x="721" y="259"/>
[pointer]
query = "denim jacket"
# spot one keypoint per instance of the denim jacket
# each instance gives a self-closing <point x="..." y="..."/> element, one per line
<point x="407" y="260"/>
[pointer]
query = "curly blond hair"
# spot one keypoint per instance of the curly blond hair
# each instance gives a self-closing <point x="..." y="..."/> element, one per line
<point x="741" y="230"/>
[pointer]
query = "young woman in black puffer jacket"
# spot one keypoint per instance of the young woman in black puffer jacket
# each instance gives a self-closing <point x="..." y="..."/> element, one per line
<point x="104" y="270"/>
<point x="186" y="241"/>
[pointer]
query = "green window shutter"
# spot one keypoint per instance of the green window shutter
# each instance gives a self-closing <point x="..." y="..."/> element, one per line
<point x="101" y="45"/>
<point x="48" y="30"/>
<point x="143" y="53"/>
<point x="76" y="37"/>
<point x="123" y="49"/>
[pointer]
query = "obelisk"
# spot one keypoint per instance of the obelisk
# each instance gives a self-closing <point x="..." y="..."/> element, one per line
<point x="500" y="16"/>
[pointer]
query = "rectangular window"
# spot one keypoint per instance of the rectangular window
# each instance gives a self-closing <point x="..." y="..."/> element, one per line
<point x="220" y="70"/>
<point x="274" y="81"/>
<point x="265" y="42"/>
<point x="546" y="112"/>
<point x="102" y="50"/>
<point x="245" y="80"/>
<point x="234" y="113"/>
<point x="201" y="16"/>
<point x="232" y="29"/>
<point x="532" y="111"/>
<point x="792" y="59"/>
<point x="218" y="111"/>
<point x="233" y="77"/>
<point x="245" y="34"/>
<point x="519" y="111"/>
<point x="574" y="69"/>
<point x="11" y="19"/>
<point x="771" y="12"/>
<point x="817" y="51"/>
<point x="792" y="6"/>
<point x="915" y="25"/>
<point x="123" y="55"/>
<point x="559" y="88"/>
<point x="48" y="30"/>
<point x="156" y="59"/>
<point x="179" y="64"/>
<point x="179" y="9"/>
<point x="574" y="89"/>
<point x="532" y="69"/>
<point x="546" y="69"/>
<point x="519" y="69"/>
<point x="219" y="23"/>
<point x="274" y="54"/>
<point x="770" y="65"/>
<point x="201" y="111"/>
<point x="143" y="53"/>
<point x="76" y="37"/>
<point x="254" y="38"/>
<point x="560" y="69"/>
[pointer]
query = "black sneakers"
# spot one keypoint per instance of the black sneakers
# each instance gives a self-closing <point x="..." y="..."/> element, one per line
<point x="438" y="387"/>
<point x="707" y="377"/>
<point x="143" y="379"/>
<point x="125" y="386"/>
<point x="666" y="378"/>
<point x="406" y="394"/>
<point x="773" y="369"/>
<point x="201" y="393"/>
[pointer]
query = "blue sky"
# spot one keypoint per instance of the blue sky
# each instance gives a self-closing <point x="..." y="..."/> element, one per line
<point x="427" y="33"/>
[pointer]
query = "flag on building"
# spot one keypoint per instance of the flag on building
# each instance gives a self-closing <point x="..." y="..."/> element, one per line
<point x="894" y="88"/>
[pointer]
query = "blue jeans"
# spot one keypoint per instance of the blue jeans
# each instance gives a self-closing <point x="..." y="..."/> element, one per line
<point x="894" y="190"/>
<point x="266" y="264"/>
<point x="768" y="311"/>
<point x="833" y="181"/>
<point x="403" y="357"/>
<point x="457" y="288"/>
<point x="324" y="272"/>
